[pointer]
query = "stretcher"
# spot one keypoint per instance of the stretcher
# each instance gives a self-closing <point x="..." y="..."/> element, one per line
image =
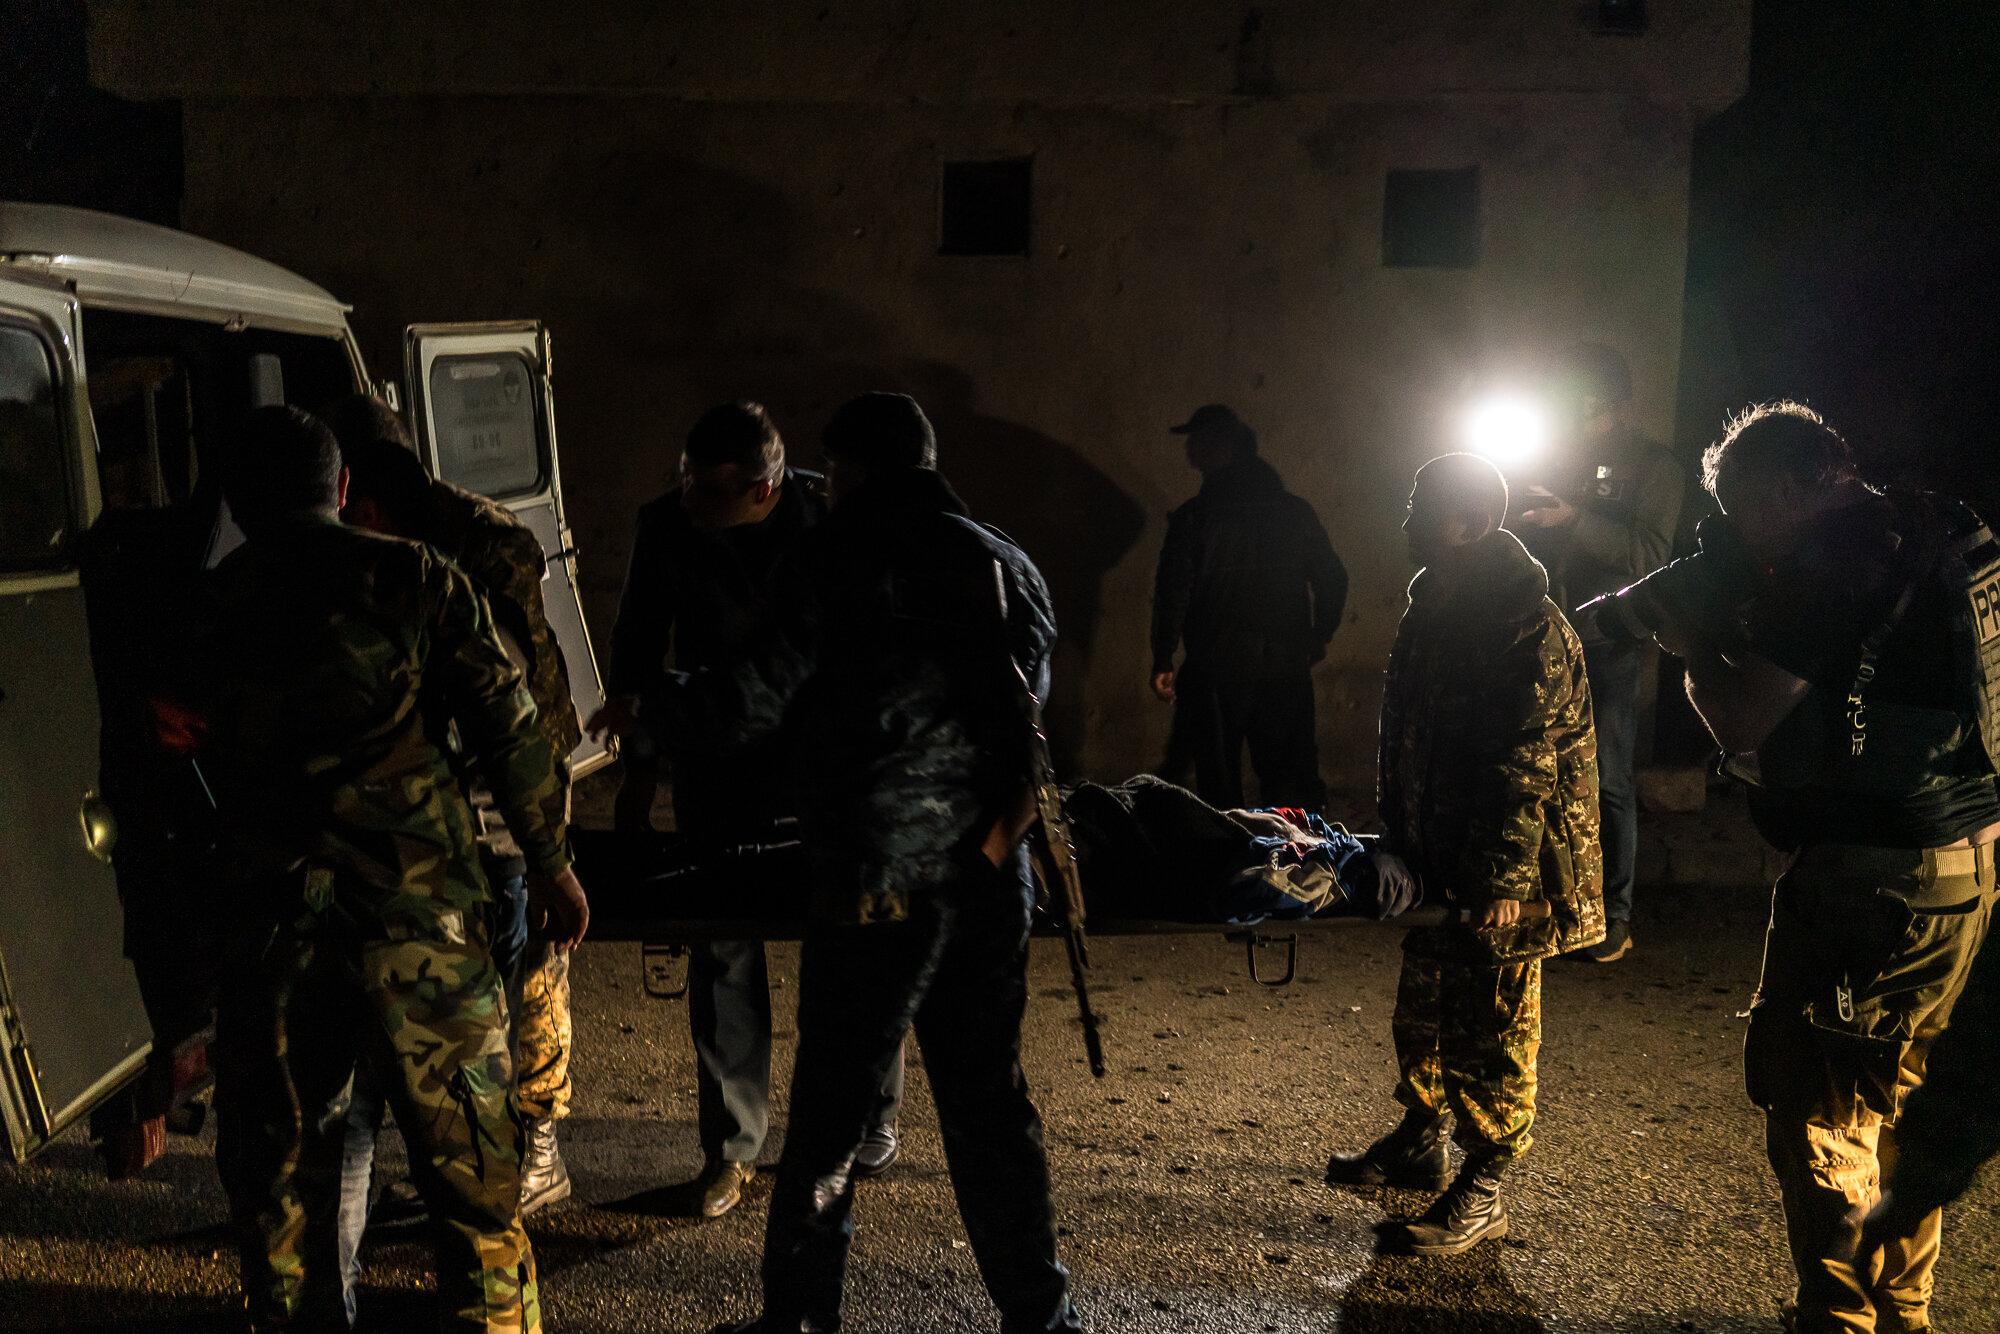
<point x="666" y="893"/>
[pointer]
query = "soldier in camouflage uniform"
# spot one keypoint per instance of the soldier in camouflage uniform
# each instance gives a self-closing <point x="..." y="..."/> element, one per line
<point x="389" y="492"/>
<point x="352" y="884"/>
<point x="1489" y="792"/>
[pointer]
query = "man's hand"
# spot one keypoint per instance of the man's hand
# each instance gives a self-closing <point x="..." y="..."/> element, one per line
<point x="1010" y="827"/>
<point x="1395" y="888"/>
<point x="558" y="899"/>
<point x="1890" y="1220"/>
<point x="619" y="717"/>
<point x="1496" y="914"/>
<point x="1163" y="686"/>
<point x="1546" y="511"/>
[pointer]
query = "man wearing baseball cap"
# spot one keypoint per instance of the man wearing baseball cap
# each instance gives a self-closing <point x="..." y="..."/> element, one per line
<point x="1248" y="592"/>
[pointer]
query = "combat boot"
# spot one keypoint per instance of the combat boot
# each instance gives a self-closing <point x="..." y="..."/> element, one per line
<point x="544" y="1178"/>
<point x="1466" y="1214"/>
<point x="1413" y="1156"/>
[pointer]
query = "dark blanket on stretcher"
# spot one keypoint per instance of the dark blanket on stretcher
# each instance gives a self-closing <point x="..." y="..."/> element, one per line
<point x="1149" y="849"/>
<point x="1146" y="849"/>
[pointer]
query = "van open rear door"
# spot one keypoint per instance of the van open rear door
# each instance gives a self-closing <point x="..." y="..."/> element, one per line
<point x="72" y="1028"/>
<point x="485" y="421"/>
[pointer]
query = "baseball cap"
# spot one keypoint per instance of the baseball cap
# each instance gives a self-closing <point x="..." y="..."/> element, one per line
<point x="1209" y="417"/>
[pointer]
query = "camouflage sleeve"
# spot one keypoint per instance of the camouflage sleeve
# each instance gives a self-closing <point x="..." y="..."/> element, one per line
<point x="1526" y="697"/>
<point x="488" y="698"/>
<point x="1951" y="1125"/>
<point x="513" y="582"/>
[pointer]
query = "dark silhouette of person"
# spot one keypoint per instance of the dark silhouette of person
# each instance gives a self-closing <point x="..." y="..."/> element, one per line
<point x="1249" y="591"/>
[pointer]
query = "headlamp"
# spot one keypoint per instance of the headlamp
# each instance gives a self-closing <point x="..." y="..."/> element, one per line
<point x="1511" y="429"/>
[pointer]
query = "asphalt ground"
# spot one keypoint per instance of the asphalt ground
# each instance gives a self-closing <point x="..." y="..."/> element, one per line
<point x="1188" y="1181"/>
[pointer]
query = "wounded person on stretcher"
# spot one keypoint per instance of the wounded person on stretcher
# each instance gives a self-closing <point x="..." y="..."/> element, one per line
<point x="1148" y="849"/>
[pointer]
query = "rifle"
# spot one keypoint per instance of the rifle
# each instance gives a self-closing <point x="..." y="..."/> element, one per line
<point x="1055" y="866"/>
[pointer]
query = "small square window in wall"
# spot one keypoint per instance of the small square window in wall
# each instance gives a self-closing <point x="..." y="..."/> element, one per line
<point x="1430" y="219"/>
<point x="984" y="208"/>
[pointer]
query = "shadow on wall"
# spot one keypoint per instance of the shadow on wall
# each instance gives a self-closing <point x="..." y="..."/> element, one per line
<point x="1073" y="520"/>
<point x="673" y="285"/>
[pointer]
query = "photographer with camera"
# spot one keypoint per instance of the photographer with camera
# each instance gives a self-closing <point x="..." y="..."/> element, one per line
<point x="1602" y="517"/>
<point x="1830" y="652"/>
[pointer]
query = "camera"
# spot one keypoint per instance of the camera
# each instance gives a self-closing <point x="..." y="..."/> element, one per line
<point x="1706" y="590"/>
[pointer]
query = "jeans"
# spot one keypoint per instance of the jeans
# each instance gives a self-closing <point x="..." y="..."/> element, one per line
<point x="1614" y="703"/>
<point x="956" y="971"/>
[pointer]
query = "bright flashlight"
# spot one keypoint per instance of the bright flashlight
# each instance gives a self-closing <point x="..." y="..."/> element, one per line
<point x="1510" y="429"/>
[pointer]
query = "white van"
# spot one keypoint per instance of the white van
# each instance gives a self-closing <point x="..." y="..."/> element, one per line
<point x="125" y="349"/>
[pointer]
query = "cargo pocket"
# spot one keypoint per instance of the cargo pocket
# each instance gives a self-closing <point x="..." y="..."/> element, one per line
<point x="1861" y="1022"/>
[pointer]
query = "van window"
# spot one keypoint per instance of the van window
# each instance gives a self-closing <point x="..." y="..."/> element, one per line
<point x="164" y="392"/>
<point x="34" y="489"/>
<point x="486" y="423"/>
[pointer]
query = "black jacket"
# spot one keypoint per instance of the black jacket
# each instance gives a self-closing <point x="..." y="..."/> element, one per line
<point x="891" y="665"/>
<point x="1247" y="580"/>
<point x="700" y="594"/>
<point x="706" y="596"/>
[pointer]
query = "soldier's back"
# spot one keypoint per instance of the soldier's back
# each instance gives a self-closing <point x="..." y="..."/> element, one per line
<point x="316" y="659"/>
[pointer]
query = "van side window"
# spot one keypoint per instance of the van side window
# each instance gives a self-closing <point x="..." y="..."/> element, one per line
<point x="144" y="413"/>
<point x="165" y="391"/>
<point x="34" y="487"/>
<point x="487" y="423"/>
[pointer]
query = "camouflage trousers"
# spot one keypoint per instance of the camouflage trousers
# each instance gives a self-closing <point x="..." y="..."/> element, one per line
<point x="303" y="1003"/>
<point x="542" y="1033"/>
<point x="1466" y="1038"/>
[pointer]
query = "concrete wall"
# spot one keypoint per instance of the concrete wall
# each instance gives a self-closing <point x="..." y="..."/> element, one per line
<point x="703" y="210"/>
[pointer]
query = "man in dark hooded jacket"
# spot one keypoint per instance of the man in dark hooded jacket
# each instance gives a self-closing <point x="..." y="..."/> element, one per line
<point x="902" y="633"/>
<point x="1489" y="793"/>
<point x="1249" y="586"/>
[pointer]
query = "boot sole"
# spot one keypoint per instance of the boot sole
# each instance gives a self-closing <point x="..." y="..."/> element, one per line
<point x="559" y="1191"/>
<point x="1493" y="1233"/>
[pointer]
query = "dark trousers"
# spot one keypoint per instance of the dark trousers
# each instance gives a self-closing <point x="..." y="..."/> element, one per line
<point x="956" y="970"/>
<point x="729" y="1017"/>
<point x="1614" y="706"/>
<point x="1215" y="717"/>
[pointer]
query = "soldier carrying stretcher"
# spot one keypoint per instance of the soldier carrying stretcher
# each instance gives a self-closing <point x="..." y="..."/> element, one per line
<point x="1489" y="791"/>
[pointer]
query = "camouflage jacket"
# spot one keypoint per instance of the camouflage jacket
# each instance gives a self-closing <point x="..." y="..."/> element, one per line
<point x="326" y="656"/>
<point x="504" y="557"/>
<point x="1488" y="771"/>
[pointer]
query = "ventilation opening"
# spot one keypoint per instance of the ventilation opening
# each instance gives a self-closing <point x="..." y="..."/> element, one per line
<point x="1430" y="219"/>
<point x="984" y="208"/>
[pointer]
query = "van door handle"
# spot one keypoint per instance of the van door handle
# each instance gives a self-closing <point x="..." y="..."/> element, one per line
<point x="100" y="826"/>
